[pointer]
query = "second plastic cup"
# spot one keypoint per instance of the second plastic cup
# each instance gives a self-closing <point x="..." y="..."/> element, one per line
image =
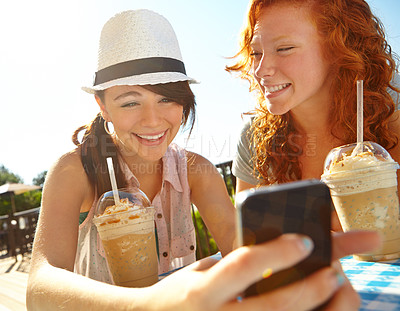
<point x="364" y="192"/>
<point x="127" y="234"/>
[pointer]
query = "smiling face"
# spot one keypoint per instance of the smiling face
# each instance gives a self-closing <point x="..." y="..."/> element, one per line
<point x="145" y="123"/>
<point x="288" y="62"/>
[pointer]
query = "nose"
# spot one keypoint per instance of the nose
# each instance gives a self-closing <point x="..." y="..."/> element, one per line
<point x="151" y="117"/>
<point x="264" y="67"/>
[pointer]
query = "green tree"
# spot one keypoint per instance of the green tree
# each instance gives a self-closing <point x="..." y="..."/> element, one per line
<point x="23" y="201"/>
<point x="6" y="176"/>
<point x="39" y="179"/>
<point x="205" y="241"/>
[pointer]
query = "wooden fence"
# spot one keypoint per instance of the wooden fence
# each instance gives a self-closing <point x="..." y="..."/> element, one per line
<point x="17" y="232"/>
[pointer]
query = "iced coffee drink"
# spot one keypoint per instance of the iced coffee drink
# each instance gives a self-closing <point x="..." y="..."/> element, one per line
<point x="126" y="231"/>
<point x="363" y="187"/>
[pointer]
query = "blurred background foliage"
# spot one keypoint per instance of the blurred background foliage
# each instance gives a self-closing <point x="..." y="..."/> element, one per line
<point x="206" y="245"/>
<point x="25" y="200"/>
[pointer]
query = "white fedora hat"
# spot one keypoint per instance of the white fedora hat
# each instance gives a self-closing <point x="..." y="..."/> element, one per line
<point x="138" y="47"/>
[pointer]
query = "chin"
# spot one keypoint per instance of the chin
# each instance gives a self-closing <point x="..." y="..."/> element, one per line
<point x="151" y="154"/>
<point x="277" y="111"/>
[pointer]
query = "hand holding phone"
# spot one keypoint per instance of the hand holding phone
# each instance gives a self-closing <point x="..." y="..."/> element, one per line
<point x="297" y="207"/>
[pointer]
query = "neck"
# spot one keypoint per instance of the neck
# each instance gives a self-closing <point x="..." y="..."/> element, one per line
<point x="138" y="165"/>
<point x="315" y="126"/>
<point x="312" y="116"/>
<point x="311" y="120"/>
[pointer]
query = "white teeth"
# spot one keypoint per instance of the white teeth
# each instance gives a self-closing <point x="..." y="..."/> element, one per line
<point x="272" y="89"/>
<point x="153" y="137"/>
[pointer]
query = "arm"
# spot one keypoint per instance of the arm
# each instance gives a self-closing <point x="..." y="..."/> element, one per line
<point x="209" y="195"/>
<point x="52" y="284"/>
<point x="214" y="285"/>
<point x="242" y="185"/>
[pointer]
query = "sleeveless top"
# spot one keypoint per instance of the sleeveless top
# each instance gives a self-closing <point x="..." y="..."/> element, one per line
<point x="173" y="220"/>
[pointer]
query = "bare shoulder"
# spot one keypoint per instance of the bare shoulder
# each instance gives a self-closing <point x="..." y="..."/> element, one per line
<point x="201" y="171"/>
<point x="199" y="165"/>
<point x="68" y="175"/>
<point x="69" y="159"/>
<point x="66" y="193"/>
<point x="68" y="165"/>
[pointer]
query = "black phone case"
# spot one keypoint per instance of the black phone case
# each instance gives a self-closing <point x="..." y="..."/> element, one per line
<point x="296" y="207"/>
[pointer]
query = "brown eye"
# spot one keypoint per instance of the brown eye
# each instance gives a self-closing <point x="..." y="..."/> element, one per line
<point x="130" y="104"/>
<point x="166" y="100"/>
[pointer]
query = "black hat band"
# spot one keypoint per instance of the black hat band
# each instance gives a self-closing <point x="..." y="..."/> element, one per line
<point x="138" y="67"/>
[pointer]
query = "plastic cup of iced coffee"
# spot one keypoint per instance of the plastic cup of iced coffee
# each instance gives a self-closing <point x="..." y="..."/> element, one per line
<point x="126" y="230"/>
<point x="363" y="186"/>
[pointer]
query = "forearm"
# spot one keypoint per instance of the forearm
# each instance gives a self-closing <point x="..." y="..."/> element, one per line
<point x="51" y="288"/>
<point x="226" y="237"/>
<point x="216" y="209"/>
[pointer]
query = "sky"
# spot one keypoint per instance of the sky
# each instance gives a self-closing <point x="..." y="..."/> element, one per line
<point x="49" y="50"/>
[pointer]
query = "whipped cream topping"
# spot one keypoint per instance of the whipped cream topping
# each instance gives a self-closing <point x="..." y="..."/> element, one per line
<point x="360" y="161"/>
<point x="123" y="206"/>
<point x="124" y="219"/>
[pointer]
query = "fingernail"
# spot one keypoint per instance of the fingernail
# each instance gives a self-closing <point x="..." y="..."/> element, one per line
<point x="340" y="279"/>
<point x="307" y="243"/>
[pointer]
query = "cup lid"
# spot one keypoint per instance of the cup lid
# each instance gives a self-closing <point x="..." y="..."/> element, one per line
<point x="130" y="199"/>
<point x="370" y="156"/>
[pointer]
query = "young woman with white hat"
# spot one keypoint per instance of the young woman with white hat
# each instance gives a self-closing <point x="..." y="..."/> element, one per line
<point x="142" y="89"/>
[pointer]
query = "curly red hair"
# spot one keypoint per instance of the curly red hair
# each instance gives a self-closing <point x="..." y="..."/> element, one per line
<point x="353" y="40"/>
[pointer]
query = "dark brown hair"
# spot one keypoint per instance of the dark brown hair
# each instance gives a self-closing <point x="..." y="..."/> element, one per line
<point x="96" y="145"/>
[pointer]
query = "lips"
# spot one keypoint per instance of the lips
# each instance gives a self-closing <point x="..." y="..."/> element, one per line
<point x="151" y="139"/>
<point x="276" y="88"/>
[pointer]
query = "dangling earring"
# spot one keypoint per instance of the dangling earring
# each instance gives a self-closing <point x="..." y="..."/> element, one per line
<point x="106" y="128"/>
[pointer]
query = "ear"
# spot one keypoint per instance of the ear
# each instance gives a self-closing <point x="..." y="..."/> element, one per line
<point x="103" y="109"/>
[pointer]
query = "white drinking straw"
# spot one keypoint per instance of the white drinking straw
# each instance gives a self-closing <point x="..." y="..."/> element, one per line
<point x="360" y="116"/>
<point x="360" y="110"/>
<point x="113" y="180"/>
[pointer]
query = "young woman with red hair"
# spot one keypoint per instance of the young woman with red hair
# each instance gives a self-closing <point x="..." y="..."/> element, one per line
<point x="303" y="58"/>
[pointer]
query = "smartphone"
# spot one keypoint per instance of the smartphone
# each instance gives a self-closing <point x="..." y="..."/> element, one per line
<point x="303" y="207"/>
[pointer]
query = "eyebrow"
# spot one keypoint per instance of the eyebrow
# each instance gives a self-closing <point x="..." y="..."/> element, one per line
<point x="274" y="39"/>
<point x="134" y="93"/>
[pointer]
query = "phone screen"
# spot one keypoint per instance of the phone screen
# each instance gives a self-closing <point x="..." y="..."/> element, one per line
<point x="297" y="207"/>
